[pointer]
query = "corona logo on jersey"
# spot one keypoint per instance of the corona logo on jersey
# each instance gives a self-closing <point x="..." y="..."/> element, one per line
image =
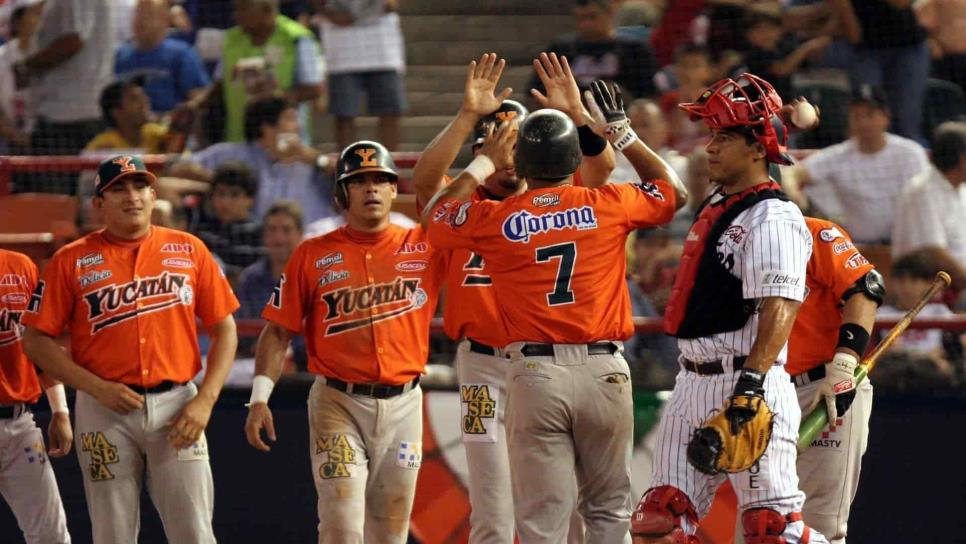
<point x="520" y="226"/>
<point x="478" y="405"/>
<point x="366" y="154"/>
<point x="350" y="308"/>
<point x="102" y="453"/>
<point x="10" y="329"/>
<point x="113" y="304"/>
<point x="338" y="454"/>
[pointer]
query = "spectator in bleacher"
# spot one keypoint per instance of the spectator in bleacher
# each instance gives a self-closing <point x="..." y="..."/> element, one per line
<point x="945" y="21"/>
<point x="932" y="207"/>
<point x="857" y="183"/>
<point x="282" y="228"/>
<point x="651" y="126"/>
<point x="693" y="71"/>
<point x="174" y="71"/>
<point x="229" y="231"/>
<point x="364" y="55"/>
<point x="597" y="51"/>
<point x="286" y="167"/>
<point x="16" y="105"/>
<point x="73" y="62"/>
<point x="127" y="112"/>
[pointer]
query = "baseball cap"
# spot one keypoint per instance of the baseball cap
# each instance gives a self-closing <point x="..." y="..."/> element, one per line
<point x="117" y="167"/>
<point x="871" y="95"/>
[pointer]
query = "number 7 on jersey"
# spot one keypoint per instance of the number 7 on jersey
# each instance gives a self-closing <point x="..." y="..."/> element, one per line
<point x="567" y="253"/>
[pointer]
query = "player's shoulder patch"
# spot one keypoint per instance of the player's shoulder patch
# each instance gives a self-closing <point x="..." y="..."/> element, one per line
<point x="830" y="234"/>
<point x="651" y="189"/>
<point x="453" y="213"/>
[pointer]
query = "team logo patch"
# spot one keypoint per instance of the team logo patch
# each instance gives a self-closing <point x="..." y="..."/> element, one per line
<point x="351" y="309"/>
<point x="407" y="248"/>
<point x="14" y="298"/>
<point x="462" y="214"/>
<point x="10" y="329"/>
<point x="329" y="260"/>
<point x="91" y="259"/>
<point x="520" y="226"/>
<point x="338" y="455"/>
<point x="855" y="261"/>
<point x="650" y="189"/>
<point x="12" y="280"/>
<point x="176" y="262"/>
<point x="410" y="455"/>
<point x="333" y="276"/>
<point x="35" y="453"/>
<point x="544" y="201"/>
<point x="93" y="277"/>
<point x="830" y="234"/>
<point x="479" y="409"/>
<point x="197" y="451"/>
<point x="839" y="249"/>
<point x="101" y="453"/>
<point x="778" y="279"/>
<point x="412" y="266"/>
<point x="735" y="233"/>
<point x="113" y="304"/>
<point x="177" y="248"/>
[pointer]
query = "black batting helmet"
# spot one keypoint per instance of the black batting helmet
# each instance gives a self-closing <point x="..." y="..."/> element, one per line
<point x="509" y="109"/>
<point x="547" y="146"/>
<point x="359" y="158"/>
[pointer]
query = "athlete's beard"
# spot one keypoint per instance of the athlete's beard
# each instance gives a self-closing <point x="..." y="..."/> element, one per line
<point x="503" y="185"/>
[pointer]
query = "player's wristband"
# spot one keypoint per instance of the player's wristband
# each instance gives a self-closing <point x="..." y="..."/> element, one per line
<point x="591" y="144"/>
<point x="480" y="168"/>
<point x="853" y="337"/>
<point x="620" y="134"/>
<point x="57" y="398"/>
<point x="261" y="389"/>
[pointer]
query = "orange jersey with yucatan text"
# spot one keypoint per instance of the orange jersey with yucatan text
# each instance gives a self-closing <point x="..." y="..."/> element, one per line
<point x="364" y="301"/>
<point x="131" y="307"/>
<point x="556" y="255"/>
<point x="18" y="378"/>
<point x="834" y="266"/>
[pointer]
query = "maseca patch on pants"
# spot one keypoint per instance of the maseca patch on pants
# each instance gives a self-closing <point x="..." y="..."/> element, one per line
<point x="478" y="406"/>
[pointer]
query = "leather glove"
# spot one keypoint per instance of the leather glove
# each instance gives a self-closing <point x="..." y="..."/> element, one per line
<point x="607" y="110"/>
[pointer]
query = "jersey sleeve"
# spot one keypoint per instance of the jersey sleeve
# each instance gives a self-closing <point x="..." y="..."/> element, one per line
<point x="647" y="203"/>
<point x="52" y="303"/>
<point x="454" y="224"/>
<point x="846" y="264"/>
<point x="216" y="300"/>
<point x="291" y="296"/>
<point x="775" y="257"/>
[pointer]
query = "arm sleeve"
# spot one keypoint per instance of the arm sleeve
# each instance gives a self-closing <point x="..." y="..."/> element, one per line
<point x="307" y="70"/>
<point x="647" y="204"/>
<point x="454" y="223"/>
<point x="290" y="300"/>
<point x="820" y="189"/>
<point x="776" y="255"/>
<point x="52" y="303"/>
<point x="216" y="300"/>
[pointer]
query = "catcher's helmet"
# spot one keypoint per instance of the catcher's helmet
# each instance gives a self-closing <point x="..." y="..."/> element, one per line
<point x="547" y="146"/>
<point x="359" y="158"/>
<point x="509" y="109"/>
<point x="748" y="103"/>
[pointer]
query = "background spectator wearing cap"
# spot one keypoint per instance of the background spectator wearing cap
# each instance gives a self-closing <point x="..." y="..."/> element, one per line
<point x="857" y="182"/>
<point x="597" y="51"/>
<point x="72" y="64"/>
<point x="174" y="71"/>
<point x="932" y="207"/>
<point x="126" y="111"/>
<point x="16" y="105"/>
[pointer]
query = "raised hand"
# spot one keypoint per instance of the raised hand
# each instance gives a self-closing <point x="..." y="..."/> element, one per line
<point x="562" y="91"/>
<point x="481" y="79"/>
<point x="500" y="143"/>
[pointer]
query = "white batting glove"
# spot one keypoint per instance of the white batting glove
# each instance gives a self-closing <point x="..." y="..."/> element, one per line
<point x="838" y="388"/>
<point x="606" y="108"/>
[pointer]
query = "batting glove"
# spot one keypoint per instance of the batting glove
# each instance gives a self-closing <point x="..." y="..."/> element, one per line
<point x="838" y="389"/>
<point x="607" y="110"/>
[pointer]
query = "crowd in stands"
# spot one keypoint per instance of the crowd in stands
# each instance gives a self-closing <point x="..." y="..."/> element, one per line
<point x="230" y="88"/>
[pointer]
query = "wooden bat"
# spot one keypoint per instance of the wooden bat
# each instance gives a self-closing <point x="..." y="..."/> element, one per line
<point x="817" y="420"/>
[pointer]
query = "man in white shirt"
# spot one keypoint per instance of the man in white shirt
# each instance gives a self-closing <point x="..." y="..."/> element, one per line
<point x="857" y="183"/>
<point x="932" y="207"/>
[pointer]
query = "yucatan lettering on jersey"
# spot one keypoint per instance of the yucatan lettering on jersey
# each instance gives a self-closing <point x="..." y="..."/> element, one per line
<point x="349" y="307"/>
<point x="113" y="304"/>
<point x="10" y="328"/>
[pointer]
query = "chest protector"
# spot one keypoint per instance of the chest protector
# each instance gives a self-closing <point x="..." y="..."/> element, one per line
<point x="706" y="298"/>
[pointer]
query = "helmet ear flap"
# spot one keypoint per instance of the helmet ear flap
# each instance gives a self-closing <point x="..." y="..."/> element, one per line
<point x="341" y="196"/>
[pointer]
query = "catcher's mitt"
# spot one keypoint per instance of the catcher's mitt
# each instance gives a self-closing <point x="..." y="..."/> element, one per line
<point x="734" y="438"/>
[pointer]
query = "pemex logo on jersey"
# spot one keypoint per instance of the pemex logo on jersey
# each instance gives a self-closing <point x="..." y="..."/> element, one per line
<point x="350" y="307"/>
<point x="520" y="226"/>
<point x="113" y="304"/>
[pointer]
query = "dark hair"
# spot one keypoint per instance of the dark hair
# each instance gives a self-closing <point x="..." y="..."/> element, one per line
<point x="287" y="207"/>
<point x="949" y="145"/>
<point x="926" y="262"/>
<point x="692" y="49"/>
<point x="757" y="16"/>
<point x="265" y="111"/>
<point x="113" y="94"/>
<point x="236" y="174"/>
<point x="602" y="4"/>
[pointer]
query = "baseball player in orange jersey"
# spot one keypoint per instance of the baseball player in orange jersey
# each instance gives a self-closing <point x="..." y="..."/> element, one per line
<point x="364" y="295"/>
<point x="27" y="480"/>
<point x="556" y="256"/>
<point x="470" y="307"/>
<point x="129" y="296"/>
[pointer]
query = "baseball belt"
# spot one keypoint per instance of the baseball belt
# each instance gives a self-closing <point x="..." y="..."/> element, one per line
<point x="162" y="387"/>
<point x="546" y="350"/>
<point x="374" y="390"/>
<point x="13" y="411"/>
<point x="712" y="367"/>
<point x="482" y="349"/>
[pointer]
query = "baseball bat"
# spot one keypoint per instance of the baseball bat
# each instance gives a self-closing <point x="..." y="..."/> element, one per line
<point x="817" y="420"/>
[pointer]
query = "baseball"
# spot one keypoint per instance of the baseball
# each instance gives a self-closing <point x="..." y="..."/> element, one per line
<point x="804" y="115"/>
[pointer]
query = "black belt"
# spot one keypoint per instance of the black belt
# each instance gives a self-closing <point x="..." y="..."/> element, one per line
<point x="809" y="376"/>
<point x="10" y="412"/>
<point x="374" y="390"/>
<point x="546" y="350"/>
<point x="162" y="387"/>
<point x="482" y="349"/>
<point x="712" y="367"/>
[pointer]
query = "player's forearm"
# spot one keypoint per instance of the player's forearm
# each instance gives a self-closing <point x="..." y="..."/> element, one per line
<point x="45" y="353"/>
<point x="221" y="355"/>
<point x="649" y="165"/>
<point x="270" y="350"/>
<point x="303" y="93"/>
<point x="596" y="170"/>
<point x="861" y="310"/>
<point x="436" y="159"/>
<point x="775" y="320"/>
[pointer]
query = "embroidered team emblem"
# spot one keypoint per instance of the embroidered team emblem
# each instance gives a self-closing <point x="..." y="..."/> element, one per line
<point x="101" y="453"/>
<point x="350" y="309"/>
<point x="650" y="189"/>
<point x="125" y="163"/>
<point x="10" y="329"/>
<point x="113" y="304"/>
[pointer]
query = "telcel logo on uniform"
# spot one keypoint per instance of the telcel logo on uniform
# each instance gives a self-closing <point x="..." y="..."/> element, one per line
<point x="520" y="226"/>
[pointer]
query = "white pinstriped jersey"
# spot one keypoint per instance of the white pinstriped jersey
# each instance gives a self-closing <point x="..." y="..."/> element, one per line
<point x="767" y="246"/>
